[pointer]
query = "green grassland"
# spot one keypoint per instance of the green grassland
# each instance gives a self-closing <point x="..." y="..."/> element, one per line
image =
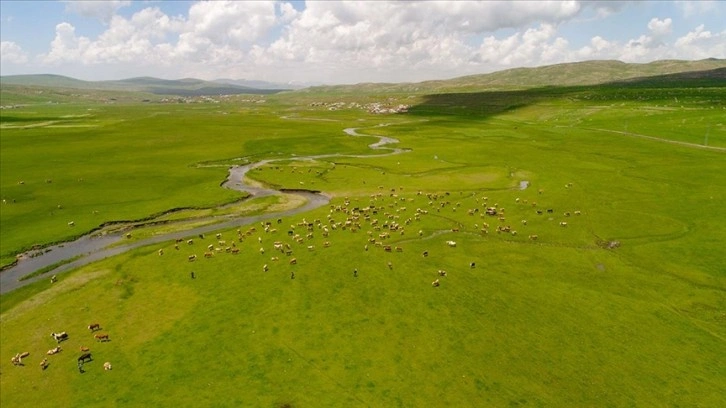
<point x="623" y="306"/>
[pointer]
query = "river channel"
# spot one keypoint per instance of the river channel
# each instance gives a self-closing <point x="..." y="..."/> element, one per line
<point x="96" y="246"/>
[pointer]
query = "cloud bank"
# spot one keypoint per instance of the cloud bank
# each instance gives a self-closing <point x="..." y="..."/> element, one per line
<point x="349" y="42"/>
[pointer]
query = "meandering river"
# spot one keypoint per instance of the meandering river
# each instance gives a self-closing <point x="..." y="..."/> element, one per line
<point x="96" y="246"/>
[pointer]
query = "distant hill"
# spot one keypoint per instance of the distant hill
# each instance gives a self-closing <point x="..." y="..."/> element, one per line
<point x="178" y="87"/>
<point x="569" y="74"/>
<point x="258" y="84"/>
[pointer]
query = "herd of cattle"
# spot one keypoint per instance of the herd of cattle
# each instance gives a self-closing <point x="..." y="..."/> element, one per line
<point x="383" y="223"/>
<point x="61" y="337"/>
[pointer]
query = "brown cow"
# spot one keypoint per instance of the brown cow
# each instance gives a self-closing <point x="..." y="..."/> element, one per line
<point x="101" y="337"/>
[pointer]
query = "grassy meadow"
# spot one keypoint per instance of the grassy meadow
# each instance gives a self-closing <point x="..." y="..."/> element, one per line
<point x="619" y="301"/>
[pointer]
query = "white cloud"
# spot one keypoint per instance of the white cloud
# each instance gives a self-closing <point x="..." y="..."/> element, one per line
<point x="66" y="47"/>
<point x="11" y="52"/>
<point x="660" y="28"/>
<point x="101" y="10"/>
<point x="701" y="43"/>
<point x="230" y="22"/>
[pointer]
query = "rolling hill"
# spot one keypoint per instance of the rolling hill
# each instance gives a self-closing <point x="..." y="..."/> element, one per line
<point x="180" y="87"/>
<point x="569" y="74"/>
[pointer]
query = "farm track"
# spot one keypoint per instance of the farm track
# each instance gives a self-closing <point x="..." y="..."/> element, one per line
<point x="659" y="139"/>
<point x="94" y="247"/>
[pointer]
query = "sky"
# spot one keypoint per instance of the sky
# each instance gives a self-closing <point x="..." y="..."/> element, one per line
<point x="345" y="42"/>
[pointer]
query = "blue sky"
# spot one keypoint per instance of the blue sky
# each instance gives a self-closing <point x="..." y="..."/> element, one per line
<point x="345" y="42"/>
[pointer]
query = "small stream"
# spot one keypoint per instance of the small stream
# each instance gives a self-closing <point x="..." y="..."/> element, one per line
<point x="96" y="246"/>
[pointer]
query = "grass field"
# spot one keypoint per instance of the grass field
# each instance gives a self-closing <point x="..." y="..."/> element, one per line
<point x="623" y="306"/>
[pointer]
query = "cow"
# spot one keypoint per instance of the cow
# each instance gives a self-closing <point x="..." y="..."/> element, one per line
<point x="107" y="366"/>
<point x="265" y="268"/>
<point x="533" y="237"/>
<point x="451" y="243"/>
<point x="442" y="272"/>
<point x="563" y="223"/>
<point x="101" y="337"/>
<point x="55" y="350"/>
<point x="44" y="364"/>
<point x="435" y="283"/>
<point x="208" y="254"/>
<point x="94" y="326"/>
<point x="192" y="258"/>
<point x="53" y="279"/>
<point x="59" y="337"/>
<point x="84" y="357"/>
<point x="425" y="254"/>
<point x="293" y="261"/>
<point x="84" y="349"/>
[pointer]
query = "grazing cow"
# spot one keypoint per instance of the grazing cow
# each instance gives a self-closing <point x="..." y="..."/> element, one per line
<point x="192" y="258"/>
<point x="472" y="265"/>
<point x="16" y="360"/>
<point x="85" y="349"/>
<point x="208" y="254"/>
<point x="107" y="366"/>
<point x="101" y="337"/>
<point x="84" y="357"/>
<point x="442" y="272"/>
<point x="265" y="268"/>
<point x="44" y="364"/>
<point x="55" y="350"/>
<point x="190" y="242"/>
<point x="390" y="265"/>
<point x="293" y="261"/>
<point x="94" y="326"/>
<point x="59" y="336"/>
<point x="435" y="283"/>
<point x="262" y="250"/>
<point x="451" y="243"/>
<point x="533" y="237"/>
<point x="70" y="224"/>
<point x="563" y="223"/>
<point x="387" y="248"/>
<point x="53" y="279"/>
<point x="399" y="249"/>
<point x="425" y="254"/>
